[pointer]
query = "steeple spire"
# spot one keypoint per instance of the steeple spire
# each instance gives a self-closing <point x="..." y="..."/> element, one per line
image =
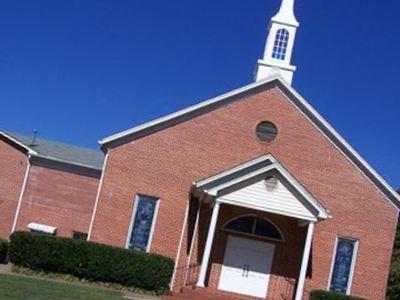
<point x="279" y="45"/>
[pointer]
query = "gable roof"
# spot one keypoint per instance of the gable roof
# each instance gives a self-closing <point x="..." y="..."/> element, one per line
<point x="57" y="151"/>
<point x="291" y="94"/>
<point x="225" y="183"/>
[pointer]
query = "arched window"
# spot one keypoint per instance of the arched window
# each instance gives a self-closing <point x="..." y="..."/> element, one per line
<point x="280" y="45"/>
<point x="254" y="226"/>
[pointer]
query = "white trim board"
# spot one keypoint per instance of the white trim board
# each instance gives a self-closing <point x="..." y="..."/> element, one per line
<point x="133" y="218"/>
<point x="353" y="262"/>
<point x="9" y="137"/>
<point x="295" y="98"/>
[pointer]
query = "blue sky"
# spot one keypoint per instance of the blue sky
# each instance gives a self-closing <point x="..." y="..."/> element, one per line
<point x="82" y="70"/>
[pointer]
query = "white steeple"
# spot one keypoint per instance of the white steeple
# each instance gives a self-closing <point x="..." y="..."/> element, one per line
<point x="279" y="46"/>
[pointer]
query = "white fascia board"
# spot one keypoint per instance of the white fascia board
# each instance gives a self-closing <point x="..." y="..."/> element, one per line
<point x="308" y="111"/>
<point x="7" y="136"/>
<point x="214" y="191"/>
<point x="322" y="213"/>
<point x="344" y="145"/>
<point x="42" y="228"/>
<point x="235" y="169"/>
<point x="186" y="110"/>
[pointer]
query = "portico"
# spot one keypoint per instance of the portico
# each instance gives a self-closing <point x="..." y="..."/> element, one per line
<point x="264" y="188"/>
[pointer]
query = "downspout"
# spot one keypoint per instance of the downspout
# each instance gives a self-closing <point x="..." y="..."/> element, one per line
<point x="103" y="171"/>
<point x="195" y="229"/>
<point x="178" y="254"/>
<point x="21" y="194"/>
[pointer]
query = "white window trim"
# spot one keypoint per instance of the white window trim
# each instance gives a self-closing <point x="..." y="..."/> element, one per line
<point x="153" y="222"/>
<point x="353" y="263"/>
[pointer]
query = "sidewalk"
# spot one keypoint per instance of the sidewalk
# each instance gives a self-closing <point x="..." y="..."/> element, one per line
<point x="5" y="268"/>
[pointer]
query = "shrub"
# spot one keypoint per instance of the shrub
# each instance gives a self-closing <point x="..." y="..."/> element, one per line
<point x="325" y="295"/>
<point x="3" y="251"/>
<point x="393" y="292"/>
<point x="92" y="261"/>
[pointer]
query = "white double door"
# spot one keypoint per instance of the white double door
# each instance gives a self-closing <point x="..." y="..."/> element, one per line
<point x="247" y="267"/>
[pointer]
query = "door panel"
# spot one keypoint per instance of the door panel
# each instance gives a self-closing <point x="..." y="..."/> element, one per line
<point x="247" y="266"/>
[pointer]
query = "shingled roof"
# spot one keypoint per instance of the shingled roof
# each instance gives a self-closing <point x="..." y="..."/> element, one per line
<point x="58" y="151"/>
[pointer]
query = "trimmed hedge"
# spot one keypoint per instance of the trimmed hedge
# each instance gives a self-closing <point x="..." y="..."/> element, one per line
<point x="96" y="262"/>
<point x="4" y="245"/>
<point x="325" y="295"/>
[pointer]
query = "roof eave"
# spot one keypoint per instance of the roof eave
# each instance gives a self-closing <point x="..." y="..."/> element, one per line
<point x="29" y="151"/>
<point x="66" y="162"/>
<point x="298" y="101"/>
<point x="168" y="118"/>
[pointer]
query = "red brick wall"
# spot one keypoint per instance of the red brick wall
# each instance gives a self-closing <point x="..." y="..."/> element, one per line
<point x="166" y="163"/>
<point x="13" y="164"/>
<point x="56" y="198"/>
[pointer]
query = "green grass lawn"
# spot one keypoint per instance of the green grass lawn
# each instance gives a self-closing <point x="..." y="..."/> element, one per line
<point x="14" y="287"/>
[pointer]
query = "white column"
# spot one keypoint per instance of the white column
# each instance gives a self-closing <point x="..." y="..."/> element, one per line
<point x="304" y="263"/>
<point x="207" y="249"/>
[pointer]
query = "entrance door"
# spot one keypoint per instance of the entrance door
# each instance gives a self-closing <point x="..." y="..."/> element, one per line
<point x="247" y="267"/>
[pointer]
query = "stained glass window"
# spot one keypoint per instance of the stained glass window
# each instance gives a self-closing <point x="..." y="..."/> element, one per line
<point x="280" y="44"/>
<point x="343" y="264"/>
<point x="142" y="223"/>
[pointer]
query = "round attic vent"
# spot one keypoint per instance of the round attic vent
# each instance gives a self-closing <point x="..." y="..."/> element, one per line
<point x="266" y="131"/>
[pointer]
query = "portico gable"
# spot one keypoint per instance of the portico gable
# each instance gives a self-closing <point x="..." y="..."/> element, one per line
<point x="263" y="185"/>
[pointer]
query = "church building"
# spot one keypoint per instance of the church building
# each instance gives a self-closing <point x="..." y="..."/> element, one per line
<point x="252" y="193"/>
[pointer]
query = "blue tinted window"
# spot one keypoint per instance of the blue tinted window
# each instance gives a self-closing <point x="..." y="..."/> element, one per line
<point x="266" y="229"/>
<point x="143" y="221"/>
<point x="244" y="225"/>
<point x="254" y="226"/>
<point x="342" y="265"/>
<point x="280" y="44"/>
